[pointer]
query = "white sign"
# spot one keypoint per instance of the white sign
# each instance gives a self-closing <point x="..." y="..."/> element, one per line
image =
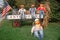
<point x="13" y="17"/>
<point x="37" y="15"/>
<point x="28" y="17"/>
<point x="19" y="17"/>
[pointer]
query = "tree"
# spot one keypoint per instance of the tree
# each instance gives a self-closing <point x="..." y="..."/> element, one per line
<point x="55" y="10"/>
<point x="12" y="3"/>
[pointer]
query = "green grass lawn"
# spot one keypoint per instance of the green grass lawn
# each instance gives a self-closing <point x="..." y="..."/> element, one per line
<point x="8" y="32"/>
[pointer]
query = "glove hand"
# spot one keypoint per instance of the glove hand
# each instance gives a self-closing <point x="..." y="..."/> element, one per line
<point x="31" y="32"/>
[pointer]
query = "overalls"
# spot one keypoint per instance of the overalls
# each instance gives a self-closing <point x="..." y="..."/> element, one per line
<point x="22" y="14"/>
<point x="33" y="11"/>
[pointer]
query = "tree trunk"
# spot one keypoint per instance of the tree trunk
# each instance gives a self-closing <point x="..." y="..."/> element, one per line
<point x="47" y="17"/>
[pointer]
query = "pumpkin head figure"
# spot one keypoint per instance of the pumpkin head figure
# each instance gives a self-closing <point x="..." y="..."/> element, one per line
<point x="22" y="6"/>
<point x="37" y="21"/>
<point x="41" y="5"/>
<point x="33" y="5"/>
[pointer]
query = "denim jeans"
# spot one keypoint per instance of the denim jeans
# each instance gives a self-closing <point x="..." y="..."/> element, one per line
<point x="39" y="34"/>
<point x="42" y="14"/>
<point x="22" y="15"/>
<point x="33" y="15"/>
